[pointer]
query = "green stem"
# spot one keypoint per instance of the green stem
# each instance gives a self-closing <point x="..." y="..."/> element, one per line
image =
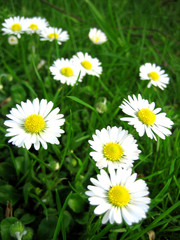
<point x="57" y="94"/>
<point x="39" y="77"/>
<point x="24" y="61"/>
<point x="40" y="161"/>
<point x="56" y="232"/>
<point x="57" y="49"/>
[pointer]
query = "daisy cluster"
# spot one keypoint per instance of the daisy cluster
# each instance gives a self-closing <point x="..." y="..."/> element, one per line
<point x="35" y="123"/>
<point x="116" y="192"/>
<point x="16" y="26"/>
<point x="71" y="71"/>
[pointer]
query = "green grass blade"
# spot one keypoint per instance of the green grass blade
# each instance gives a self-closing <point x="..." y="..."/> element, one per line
<point x="58" y="226"/>
<point x="76" y="99"/>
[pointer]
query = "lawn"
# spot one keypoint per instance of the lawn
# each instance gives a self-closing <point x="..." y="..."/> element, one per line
<point x="43" y="188"/>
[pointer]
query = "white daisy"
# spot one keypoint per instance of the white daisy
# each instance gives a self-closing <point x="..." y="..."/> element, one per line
<point x="119" y="195"/>
<point x="97" y="36"/>
<point x="154" y="74"/>
<point x="114" y="147"/>
<point x="36" y="25"/>
<point x="12" y="40"/>
<point x="52" y="33"/>
<point x="66" y="71"/>
<point x="87" y="64"/>
<point x="14" y="26"/>
<point x="146" y="118"/>
<point x="34" y="123"/>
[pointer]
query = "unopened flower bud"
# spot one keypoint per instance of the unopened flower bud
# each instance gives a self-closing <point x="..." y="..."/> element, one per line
<point x="101" y="106"/>
<point x="54" y="165"/>
<point x="12" y="40"/>
<point x="41" y="64"/>
<point x="16" y="229"/>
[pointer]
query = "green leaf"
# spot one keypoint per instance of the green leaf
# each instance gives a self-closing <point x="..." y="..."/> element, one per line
<point x="6" y="171"/>
<point x="47" y="227"/>
<point x="20" y="165"/>
<point x="27" y="218"/>
<point x="113" y="236"/>
<point x="8" y="193"/>
<point x="18" y="212"/>
<point x="84" y="218"/>
<point x="26" y="191"/>
<point x="76" y="203"/>
<point x="18" y="93"/>
<point x="5" y="226"/>
<point x="67" y="219"/>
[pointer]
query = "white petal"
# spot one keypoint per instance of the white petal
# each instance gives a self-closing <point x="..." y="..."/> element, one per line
<point x="128" y="218"/>
<point x="106" y="217"/>
<point x="117" y="215"/>
<point x="102" y="208"/>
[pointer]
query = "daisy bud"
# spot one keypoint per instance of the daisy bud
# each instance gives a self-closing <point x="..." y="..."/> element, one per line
<point x="16" y="229"/>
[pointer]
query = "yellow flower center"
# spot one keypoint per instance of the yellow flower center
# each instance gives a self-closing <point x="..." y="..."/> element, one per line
<point x="119" y="196"/>
<point x="33" y="27"/>
<point x="53" y="35"/>
<point x="16" y="27"/>
<point x="34" y="123"/>
<point x="154" y="76"/>
<point x="86" y="64"/>
<point x="146" y="116"/>
<point x="95" y="38"/>
<point x="113" y="151"/>
<point x="67" y="71"/>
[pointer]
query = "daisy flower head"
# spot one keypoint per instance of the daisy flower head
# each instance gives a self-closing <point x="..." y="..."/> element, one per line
<point x="156" y="76"/>
<point x="87" y="64"/>
<point x="97" y="36"/>
<point x="119" y="195"/>
<point x="12" y="40"/>
<point x="114" y="147"/>
<point x="34" y="123"/>
<point x="14" y="26"/>
<point x="36" y="25"/>
<point x="66" y="71"/>
<point x="145" y="118"/>
<point x="52" y="33"/>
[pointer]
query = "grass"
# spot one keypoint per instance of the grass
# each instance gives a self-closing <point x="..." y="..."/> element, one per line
<point x="53" y="202"/>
